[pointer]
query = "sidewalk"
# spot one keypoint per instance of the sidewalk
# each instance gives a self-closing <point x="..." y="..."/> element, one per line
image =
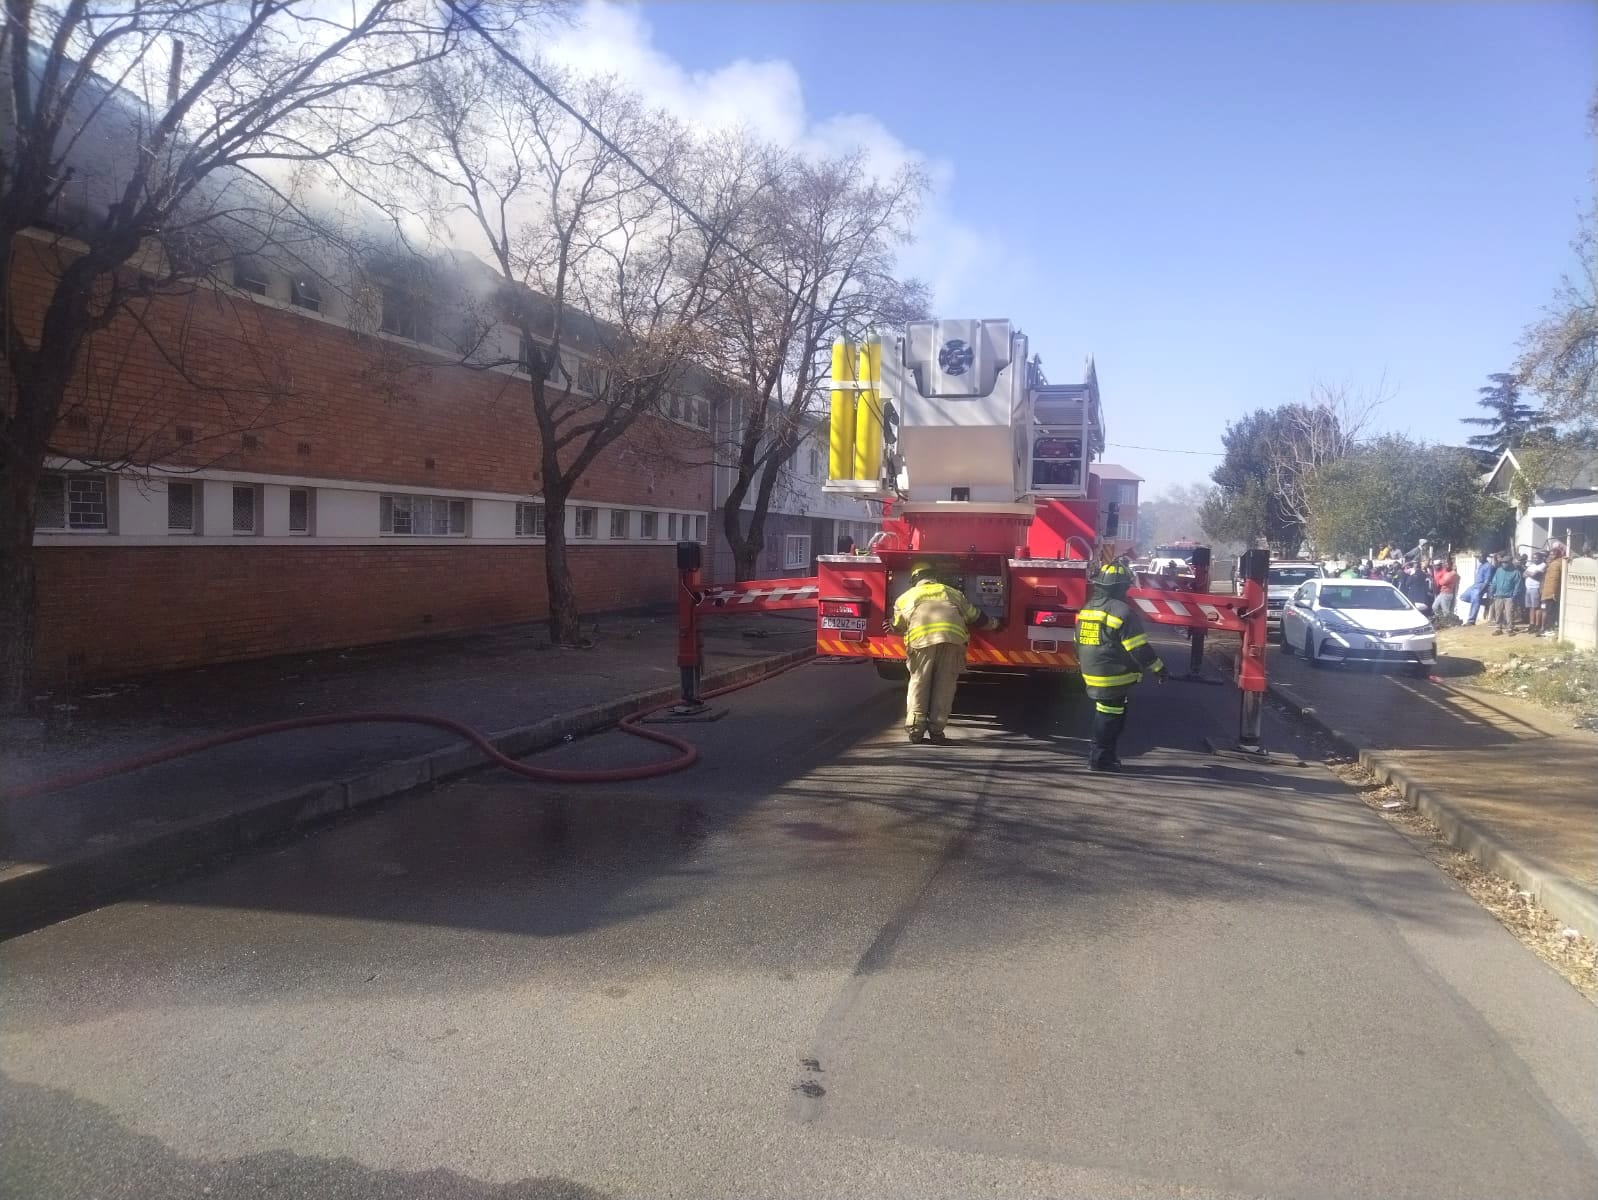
<point x="1507" y="781"/>
<point x="509" y="683"/>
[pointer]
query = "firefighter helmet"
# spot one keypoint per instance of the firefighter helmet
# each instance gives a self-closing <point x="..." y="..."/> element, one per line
<point x="1113" y="577"/>
<point x="922" y="569"/>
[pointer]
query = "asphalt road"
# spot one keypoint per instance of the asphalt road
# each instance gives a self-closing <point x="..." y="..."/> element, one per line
<point x="824" y="963"/>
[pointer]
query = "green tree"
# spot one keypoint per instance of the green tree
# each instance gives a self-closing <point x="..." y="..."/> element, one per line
<point x="1511" y="421"/>
<point x="1392" y="489"/>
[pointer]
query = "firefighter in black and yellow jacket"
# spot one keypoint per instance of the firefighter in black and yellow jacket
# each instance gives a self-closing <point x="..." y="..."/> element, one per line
<point x="1114" y="652"/>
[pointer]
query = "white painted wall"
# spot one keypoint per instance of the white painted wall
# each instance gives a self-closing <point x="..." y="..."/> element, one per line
<point x="341" y="513"/>
<point x="140" y="508"/>
<point x="1578" y="608"/>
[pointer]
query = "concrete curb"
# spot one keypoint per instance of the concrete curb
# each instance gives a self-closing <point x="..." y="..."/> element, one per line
<point x="32" y="895"/>
<point x="1567" y="901"/>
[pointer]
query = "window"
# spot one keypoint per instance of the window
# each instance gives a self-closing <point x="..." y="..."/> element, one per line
<point x="422" y="516"/>
<point x="529" y="520"/>
<point x="182" y="507"/>
<point x="621" y="523"/>
<point x="405" y="315"/>
<point x="249" y="276"/>
<point x="300" y="510"/>
<point x="1128" y="529"/>
<point x="674" y="406"/>
<point x="815" y="462"/>
<point x="590" y="378"/>
<point x="305" y="293"/>
<point x="1112" y="519"/>
<point x="77" y="502"/>
<point x="702" y="414"/>
<point x="531" y="350"/>
<point x="699" y="529"/>
<point x="671" y="527"/>
<point x="649" y="526"/>
<point x="587" y="522"/>
<point x="795" y="550"/>
<point x="246" y="508"/>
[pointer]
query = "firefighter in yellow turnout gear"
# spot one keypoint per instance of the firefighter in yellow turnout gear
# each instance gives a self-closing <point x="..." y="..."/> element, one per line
<point x="935" y="620"/>
<point x="1113" y="652"/>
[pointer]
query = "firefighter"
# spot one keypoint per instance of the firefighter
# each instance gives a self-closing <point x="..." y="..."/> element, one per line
<point x="1114" y="652"/>
<point x="935" y="620"/>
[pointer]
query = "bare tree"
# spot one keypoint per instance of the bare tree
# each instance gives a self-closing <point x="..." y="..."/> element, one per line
<point x="147" y="140"/>
<point x="1306" y="438"/>
<point x="821" y="267"/>
<point x="603" y="282"/>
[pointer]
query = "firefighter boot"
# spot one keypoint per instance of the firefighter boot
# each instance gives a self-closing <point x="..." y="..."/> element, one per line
<point x="1109" y="718"/>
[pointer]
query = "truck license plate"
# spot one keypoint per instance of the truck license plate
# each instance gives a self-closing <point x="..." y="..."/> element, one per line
<point x="858" y="623"/>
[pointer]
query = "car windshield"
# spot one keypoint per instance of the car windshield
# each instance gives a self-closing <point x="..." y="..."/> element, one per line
<point x="1350" y="597"/>
<point x="1293" y="576"/>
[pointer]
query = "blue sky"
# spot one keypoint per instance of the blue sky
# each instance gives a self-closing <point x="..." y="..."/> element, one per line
<point x="1224" y="204"/>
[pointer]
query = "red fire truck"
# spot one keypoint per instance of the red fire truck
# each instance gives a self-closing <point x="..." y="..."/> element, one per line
<point x="983" y="467"/>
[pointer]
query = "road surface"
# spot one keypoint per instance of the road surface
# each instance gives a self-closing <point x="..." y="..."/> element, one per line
<point x="824" y="963"/>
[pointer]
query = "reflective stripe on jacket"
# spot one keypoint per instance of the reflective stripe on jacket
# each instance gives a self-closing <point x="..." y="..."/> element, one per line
<point x="932" y="613"/>
<point x="1111" y="646"/>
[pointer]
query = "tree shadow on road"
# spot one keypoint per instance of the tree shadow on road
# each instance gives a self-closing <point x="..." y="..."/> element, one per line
<point x="115" y="1161"/>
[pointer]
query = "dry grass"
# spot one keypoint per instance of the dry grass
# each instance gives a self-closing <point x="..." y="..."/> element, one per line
<point x="1546" y="673"/>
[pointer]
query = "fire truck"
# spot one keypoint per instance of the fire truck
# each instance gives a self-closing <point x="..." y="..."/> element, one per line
<point x="980" y="465"/>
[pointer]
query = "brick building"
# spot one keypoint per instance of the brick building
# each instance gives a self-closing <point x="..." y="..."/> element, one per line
<point x="320" y="477"/>
<point x="1116" y="488"/>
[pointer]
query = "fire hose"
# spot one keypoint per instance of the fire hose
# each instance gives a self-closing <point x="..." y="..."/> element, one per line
<point x="687" y="753"/>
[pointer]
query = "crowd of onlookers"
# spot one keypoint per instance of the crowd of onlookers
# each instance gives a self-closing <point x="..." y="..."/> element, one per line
<point x="1514" y="590"/>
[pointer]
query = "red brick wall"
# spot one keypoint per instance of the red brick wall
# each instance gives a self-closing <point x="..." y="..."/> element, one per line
<point x="112" y="611"/>
<point x="321" y="400"/>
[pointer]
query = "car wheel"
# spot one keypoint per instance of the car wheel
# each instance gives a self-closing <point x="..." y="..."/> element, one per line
<point x="1285" y="641"/>
<point x="1420" y="670"/>
<point x="1309" y="650"/>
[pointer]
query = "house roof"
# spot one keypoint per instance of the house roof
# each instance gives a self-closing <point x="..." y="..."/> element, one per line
<point x="1114" y="471"/>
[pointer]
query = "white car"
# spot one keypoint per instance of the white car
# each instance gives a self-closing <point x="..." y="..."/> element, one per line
<point x="1342" y="620"/>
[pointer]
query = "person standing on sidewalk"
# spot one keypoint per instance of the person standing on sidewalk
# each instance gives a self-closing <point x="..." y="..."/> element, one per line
<point x="1502" y="591"/>
<point x="935" y="620"/>
<point x="1553" y="579"/>
<point x="1447" y="590"/>
<point x="1477" y="592"/>
<point x="1534" y="585"/>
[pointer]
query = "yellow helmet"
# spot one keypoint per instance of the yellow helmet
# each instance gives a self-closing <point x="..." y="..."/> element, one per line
<point x="921" y="569"/>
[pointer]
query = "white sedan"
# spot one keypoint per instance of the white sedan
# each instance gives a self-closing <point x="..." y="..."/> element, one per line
<point x="1341" y="620"/>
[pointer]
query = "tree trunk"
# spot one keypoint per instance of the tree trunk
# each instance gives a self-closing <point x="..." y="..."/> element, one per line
<point x="18" y="593"/>
<point x="563" y="615"/>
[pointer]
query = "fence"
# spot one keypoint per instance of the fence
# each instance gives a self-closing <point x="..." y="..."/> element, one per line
<point x="1578" y="609"/>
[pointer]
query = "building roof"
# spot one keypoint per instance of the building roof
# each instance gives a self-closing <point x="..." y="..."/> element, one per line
<point x="1114" y="471"/>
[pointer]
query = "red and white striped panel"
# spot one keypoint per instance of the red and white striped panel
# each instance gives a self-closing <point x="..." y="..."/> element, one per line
<point x="1187" y="612"/>
<point x="758" y="595"/>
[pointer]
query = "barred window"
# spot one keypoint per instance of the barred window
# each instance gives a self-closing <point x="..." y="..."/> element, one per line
<point x="246" y="508"/>
<point x="699" y="529"/>
<point x="621" y="523"/>
<point x="529" y="520"/>
<point x="591" y="378"/>
<point x="182" y="509"/>
<point x="405" y="315"/>
<point x="671" y="527"/>
<point x="649" y="525"/>
<point x="421" y="516"/>
<point x="68" y="501"/>
<point x="796" y="550"/>
<point x="299" y="510"/>
<point x="587" y="522"/>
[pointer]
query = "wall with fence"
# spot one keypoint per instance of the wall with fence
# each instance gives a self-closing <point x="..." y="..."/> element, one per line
<point x="1578" y="608"/>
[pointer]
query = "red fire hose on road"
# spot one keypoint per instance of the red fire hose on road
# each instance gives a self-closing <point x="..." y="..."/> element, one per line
<point x="686" y="756"/>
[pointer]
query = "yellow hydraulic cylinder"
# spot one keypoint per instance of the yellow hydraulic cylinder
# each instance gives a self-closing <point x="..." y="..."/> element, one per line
<point x="840" y="447"/>
<point x="868" y="413"/>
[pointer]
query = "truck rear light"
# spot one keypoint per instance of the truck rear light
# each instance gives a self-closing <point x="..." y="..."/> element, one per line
<point x="841" y="608"/>
<point x="1060" y="618"/>
<point x="851" y="635"/>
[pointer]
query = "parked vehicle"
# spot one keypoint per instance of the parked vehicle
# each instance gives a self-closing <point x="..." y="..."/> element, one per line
<point x="1282" y="580"/>
<point x="1343" y="620"/>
